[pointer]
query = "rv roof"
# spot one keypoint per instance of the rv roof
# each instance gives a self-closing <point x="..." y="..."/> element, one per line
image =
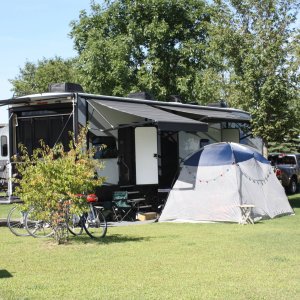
<point x="203" y="112"/>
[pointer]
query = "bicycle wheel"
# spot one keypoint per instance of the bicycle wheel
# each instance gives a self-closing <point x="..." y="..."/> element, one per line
<point x="74" y="224"/>
<point x="16" y="221"/>
<point x="37" y="227"/>
<point x="95" y="223"/>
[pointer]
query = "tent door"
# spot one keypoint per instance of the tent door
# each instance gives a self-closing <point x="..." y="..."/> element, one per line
<point x="146" y="155"/>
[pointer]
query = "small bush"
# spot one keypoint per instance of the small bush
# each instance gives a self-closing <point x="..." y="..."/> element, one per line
<point x="52" y="177"/>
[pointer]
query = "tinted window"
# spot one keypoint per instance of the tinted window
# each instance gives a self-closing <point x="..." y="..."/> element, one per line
<point x="282" y="160"/>
<point x="286" y="160"/>
<point x="4" y="146"/>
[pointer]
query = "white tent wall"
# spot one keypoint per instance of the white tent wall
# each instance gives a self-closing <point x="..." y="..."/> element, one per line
<point x="209" y="197"/>
<point x="260" y="187"/>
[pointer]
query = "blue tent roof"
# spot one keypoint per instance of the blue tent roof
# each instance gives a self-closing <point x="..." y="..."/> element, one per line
<point x="223" y="154"/>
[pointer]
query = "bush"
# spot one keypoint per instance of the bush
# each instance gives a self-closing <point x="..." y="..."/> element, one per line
<point x="51" y="177"/>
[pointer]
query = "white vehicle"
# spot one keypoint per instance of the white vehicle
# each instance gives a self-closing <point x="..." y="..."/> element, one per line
<point x="4" y="156"/>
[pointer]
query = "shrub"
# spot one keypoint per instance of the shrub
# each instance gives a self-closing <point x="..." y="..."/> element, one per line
<point x="51" y="177"/>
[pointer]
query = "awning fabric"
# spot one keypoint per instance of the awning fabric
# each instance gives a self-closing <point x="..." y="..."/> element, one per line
<point x="210" y="114"/>
<point x="164" y="120"/>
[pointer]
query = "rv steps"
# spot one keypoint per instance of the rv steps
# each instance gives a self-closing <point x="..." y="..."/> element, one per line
<point x="132" y="192"/>
<point x="145" y="206"/>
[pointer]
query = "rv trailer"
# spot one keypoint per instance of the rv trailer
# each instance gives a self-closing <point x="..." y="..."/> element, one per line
<point x="146" y="140"/>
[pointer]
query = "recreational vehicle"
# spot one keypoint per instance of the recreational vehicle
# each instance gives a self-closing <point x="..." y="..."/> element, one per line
<point x="145" y="139"/>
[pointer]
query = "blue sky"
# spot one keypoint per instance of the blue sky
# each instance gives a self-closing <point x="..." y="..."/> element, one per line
<point x="31" y="30"/>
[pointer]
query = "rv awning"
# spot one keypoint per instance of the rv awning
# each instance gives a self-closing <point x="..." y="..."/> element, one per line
<point x="162" y="119"/>
<point x="226" y="115"/>
<point x="14" y="101"/>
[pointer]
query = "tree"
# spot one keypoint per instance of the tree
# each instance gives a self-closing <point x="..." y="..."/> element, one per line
<point x="256" y="42"/>
<point x="146" y="45"/>
<point x="291" y="144"/>
<point x="36" y="77"/>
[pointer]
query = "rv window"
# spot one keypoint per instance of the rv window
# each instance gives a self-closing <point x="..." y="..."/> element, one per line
<point x="105" y="147"/>
<point x="4" y="146"/>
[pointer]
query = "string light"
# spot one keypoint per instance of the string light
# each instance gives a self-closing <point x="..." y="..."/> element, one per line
<point x="207" y="180"/>
<point x="262" y="181"/>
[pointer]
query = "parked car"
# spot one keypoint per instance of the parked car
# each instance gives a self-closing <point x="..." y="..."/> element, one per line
<point x="287" y="170"/>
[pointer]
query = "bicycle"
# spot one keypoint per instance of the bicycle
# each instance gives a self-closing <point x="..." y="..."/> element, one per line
<point x="74" y="224"/>
<point x="94" y="222"/>
<point x="36" y="226"/>
<point x="16" y="221"/>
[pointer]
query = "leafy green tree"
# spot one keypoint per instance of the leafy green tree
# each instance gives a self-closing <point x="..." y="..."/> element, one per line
<point x="51" y="177"/>
<point x="256" y="43"/>
<point x="36" y="77"/>
<point x="288" y="146"/>
<point x="149" y="45"/>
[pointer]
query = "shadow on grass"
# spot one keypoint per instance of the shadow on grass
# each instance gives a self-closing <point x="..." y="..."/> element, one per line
<point x="108" y="239"/>
<point x="5" y="274"/>
<point x="295" y="201"/>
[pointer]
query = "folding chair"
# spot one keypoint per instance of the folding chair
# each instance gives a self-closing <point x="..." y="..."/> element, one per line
<point x="121" y="208"/>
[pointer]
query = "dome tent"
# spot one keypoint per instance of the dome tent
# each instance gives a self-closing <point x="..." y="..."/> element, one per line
<point x="217" y="179"/>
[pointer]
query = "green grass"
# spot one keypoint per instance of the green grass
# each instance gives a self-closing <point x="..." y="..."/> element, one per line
<point x="159" y="261"/>
<point x="4" y="209"/>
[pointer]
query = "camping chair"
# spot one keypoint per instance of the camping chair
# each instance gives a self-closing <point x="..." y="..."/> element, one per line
<point x="121" y="208"/>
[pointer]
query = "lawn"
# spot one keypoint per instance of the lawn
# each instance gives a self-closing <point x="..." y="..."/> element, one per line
<point x="159" y="261"/>
<point x="4" y="209"/>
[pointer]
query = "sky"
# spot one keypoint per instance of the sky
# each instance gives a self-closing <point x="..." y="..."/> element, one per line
<point x="31" y="30"/>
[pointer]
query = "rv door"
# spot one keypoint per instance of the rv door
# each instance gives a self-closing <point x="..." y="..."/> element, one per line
<point x="146" y="155"/>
